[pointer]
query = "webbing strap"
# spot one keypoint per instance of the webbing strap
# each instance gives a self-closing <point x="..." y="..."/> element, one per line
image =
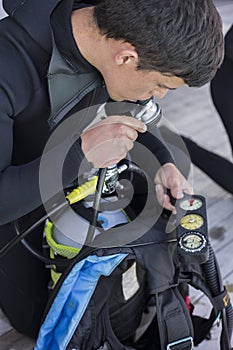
<point x="61" y="249"/>
<point x="222" y="300"/>
<point x="182" y="344"/>
<point x="175" y="325"/>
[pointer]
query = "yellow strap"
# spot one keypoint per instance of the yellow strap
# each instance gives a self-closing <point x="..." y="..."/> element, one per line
<point x="54" y="274"/>
<point x="63" y="250"/>
<point x="56" y="248"/>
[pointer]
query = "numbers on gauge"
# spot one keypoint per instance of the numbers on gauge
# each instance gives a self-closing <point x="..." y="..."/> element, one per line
<point x="192" y="242"/>
<point x="191" y="204"/>
<point x="192" y="221"/>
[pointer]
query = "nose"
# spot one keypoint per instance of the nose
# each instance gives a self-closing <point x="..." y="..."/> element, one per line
<point x="160" y="93"/>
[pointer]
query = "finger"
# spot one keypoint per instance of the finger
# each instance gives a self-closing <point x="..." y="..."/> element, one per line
<point x="187" y="188"/>
<point x="168" y="205"/>
<point x="130" y="121"/>
<point x="122" y="146"/>
<point x="178" y="190"/>
<point x="159" y="193"/>
<point x="164" y="199"/>
<point x="125" y="120"/>
<point x="131" y="134"/>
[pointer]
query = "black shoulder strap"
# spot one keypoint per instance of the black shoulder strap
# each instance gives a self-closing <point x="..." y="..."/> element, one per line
<point x="207" y="278"/>
<point x="175" y="325"/>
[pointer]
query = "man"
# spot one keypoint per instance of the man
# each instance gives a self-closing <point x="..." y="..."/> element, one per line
<point x="128" y="51"/>
<point x="218" y="168"/>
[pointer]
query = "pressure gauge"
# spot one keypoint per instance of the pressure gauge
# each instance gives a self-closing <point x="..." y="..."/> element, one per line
<point x="191" y="221"/>
<point x="191" y="204"/>
<point x="192" y="242"/>
<point x="192" y="231"/>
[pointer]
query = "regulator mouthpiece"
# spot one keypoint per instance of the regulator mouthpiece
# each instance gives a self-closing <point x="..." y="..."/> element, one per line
<point x="149" y="112"/>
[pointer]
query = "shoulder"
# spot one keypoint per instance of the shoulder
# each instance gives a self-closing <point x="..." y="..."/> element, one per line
<point x="22" y="63"/>
<point x="34" y="17"/>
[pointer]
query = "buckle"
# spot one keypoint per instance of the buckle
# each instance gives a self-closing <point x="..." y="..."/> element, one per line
<point x="172" y="346"/>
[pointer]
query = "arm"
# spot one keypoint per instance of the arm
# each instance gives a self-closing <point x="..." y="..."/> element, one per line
<point x="20" y="188"/>
<point x="168" y="175"/>
<point x="19" y="178"/>
<point x="155" y="143"/>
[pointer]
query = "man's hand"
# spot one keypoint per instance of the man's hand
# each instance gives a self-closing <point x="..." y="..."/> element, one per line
<point x="108" y="141"/>
<point x="168" y="176"/>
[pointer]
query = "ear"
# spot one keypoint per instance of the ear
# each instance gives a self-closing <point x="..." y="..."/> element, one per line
<point x="126" y="56"/>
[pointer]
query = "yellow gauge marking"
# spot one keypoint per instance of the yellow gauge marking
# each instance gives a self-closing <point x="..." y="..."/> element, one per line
<point x="192" y="221"/>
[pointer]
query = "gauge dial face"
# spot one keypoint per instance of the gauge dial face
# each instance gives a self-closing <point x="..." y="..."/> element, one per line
<point x="192" y="242"/>
<point x="191" y="204"/>
<point x="192" y="221"/>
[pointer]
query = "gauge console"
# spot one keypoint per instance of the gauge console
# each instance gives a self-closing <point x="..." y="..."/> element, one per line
<point x="192" y="232"/>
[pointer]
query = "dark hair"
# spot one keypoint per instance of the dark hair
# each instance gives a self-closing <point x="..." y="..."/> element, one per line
<point x="175" y="37"/>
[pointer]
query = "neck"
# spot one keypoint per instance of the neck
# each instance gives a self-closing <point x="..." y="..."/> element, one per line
<point x="85" y="33"/>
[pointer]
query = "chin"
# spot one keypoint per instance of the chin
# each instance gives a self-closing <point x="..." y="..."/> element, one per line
<point x="119" y="98"/>
<point x="132" y="100"/>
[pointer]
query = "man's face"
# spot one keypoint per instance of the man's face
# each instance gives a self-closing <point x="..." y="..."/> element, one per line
<point x="133" y="85"/>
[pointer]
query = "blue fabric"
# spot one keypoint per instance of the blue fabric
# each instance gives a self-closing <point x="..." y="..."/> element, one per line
<point x="72" y="300"/>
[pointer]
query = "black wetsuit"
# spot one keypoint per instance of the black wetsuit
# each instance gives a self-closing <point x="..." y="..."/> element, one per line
<point x="28" y="37"/>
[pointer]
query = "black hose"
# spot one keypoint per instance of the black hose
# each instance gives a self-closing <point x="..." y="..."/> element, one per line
<point x="21" y="236"/>
<point x="36" y="253"/>
<point x="212" y="274"/>
<point x="4" y="250"/>
<point x="96" y="204"/>
<point x="214" y="280"/>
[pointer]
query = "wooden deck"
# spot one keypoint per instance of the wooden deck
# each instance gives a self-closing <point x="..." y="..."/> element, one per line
<point x="191" y="112"/>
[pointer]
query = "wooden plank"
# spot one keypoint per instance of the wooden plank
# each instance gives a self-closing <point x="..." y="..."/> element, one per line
<point x="4" y="324"/>
<point x="10" y="339"/>
<point x="13" y="340"/>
